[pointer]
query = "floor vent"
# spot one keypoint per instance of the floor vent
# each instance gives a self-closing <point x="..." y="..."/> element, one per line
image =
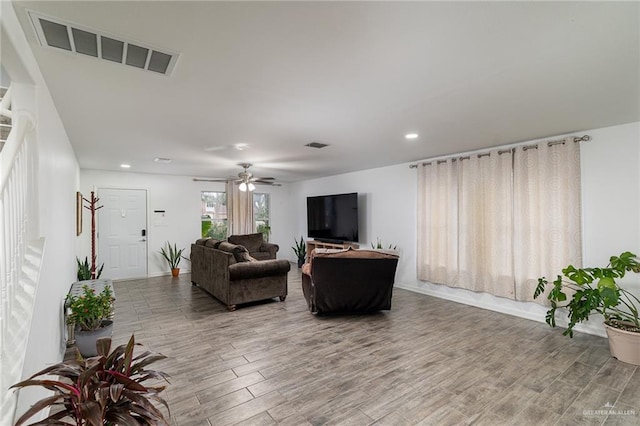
<point x="316" y="145"/>
<point x="73" y="38"/>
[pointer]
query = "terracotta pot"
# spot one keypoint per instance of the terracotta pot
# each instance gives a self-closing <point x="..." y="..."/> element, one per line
<point x="86" y="340"/>
<point x="175" y="272"/>
<point x="624" y="345"/>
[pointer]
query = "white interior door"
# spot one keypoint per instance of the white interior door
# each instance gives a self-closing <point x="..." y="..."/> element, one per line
<point x="122" y="225"/>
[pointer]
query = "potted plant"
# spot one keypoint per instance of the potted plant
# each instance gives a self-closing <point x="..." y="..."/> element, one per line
<point x="173" y="257"/>
<point x="595" y="290"/>
<point x="379" y="245"/>
<point x="300" y="249"/>
<point x="106" y="389"/>
<point x="84" y="270"/>
<point x="89" y="313"/>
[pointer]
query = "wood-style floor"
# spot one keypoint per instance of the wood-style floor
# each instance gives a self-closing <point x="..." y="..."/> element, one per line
<point x="427" y="361"/>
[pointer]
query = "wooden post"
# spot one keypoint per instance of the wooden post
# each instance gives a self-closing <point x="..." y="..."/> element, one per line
<point x="92" y="207"/>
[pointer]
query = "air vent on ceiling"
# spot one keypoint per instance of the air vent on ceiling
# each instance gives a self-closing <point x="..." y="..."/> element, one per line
<point x="316" y="145"/>
<point x="72" y="38"/>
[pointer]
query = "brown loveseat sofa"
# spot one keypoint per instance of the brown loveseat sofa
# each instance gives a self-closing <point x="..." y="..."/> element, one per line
<point x="349" y="280"/>
<point x="227" y="272"/>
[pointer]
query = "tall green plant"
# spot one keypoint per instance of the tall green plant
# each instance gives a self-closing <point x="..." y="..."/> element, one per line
<point x="172" y="255"/>
<point x="300" y="248"/>
<point x="102" y="390"/>
<point x="594" y="291"/>
<point x="84" y="270"/>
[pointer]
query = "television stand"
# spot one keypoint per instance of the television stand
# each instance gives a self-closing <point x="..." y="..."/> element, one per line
<point x="314" y="244"/>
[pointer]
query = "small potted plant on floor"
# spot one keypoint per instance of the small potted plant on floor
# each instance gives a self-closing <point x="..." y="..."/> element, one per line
<point x="173" y="256"/>
<point x="300" y="249"/>
<point x="89" y="313"/>
<point x="595" y="290"/>
<point x="103" y="390"/>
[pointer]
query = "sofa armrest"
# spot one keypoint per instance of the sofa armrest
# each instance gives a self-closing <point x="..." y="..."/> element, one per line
<point x="264" y="268"/>
<point x="271" y="248"/>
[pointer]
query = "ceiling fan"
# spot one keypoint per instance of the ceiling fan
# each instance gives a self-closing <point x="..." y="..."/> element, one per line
<point x="245" y="179"/>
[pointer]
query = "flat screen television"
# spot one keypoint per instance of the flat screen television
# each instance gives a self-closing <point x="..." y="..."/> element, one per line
<point x="333" y="218"/>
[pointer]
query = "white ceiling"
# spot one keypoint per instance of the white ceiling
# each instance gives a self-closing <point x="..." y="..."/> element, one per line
<point x="354" y="75"/>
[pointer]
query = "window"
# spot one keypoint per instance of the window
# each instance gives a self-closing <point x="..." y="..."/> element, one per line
<point x="261" y="214"/>
<point x="214" y="214"/>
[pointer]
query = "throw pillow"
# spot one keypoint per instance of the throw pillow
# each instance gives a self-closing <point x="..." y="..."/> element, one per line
<point x="242" y="254"/>
<point x="225" y="246"/>
<point x="251" y="241"/>
<point x="213" y="243"/>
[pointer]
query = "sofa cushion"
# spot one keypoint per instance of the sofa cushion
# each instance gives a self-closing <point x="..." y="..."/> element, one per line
<point x="226" y="246"/>
<point x="213" y="243"/>
<point x="265" y="268"/>
<point x="251" y="241"/>
<point x="202" y="241"/>
<point x="348" y="253"/>
<point x="262" y="255"/>
<point x="241" y="254"/>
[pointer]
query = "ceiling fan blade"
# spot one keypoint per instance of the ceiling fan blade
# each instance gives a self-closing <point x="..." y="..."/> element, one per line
<point x="268" y="182"/>
<point x="223" y="180"/>
<point x="208" y="180"/>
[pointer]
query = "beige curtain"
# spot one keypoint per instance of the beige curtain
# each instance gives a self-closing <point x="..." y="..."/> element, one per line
<point x="495" y="223"/>
<point x="485" y="224"/>
<point x="437" y="259"/>
<point x="239" y="211"/>
<point x="547" y="232"/>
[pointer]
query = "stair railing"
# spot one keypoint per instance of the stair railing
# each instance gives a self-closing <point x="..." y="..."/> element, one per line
<point x="19" y="259"/>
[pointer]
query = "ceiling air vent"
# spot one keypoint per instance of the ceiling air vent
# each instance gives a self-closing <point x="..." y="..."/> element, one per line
<point x="72" y="38"/>
<point x="316" y="145"/>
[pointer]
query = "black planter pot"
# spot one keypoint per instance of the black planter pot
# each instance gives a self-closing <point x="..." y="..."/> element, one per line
<point x="300" y="262"/>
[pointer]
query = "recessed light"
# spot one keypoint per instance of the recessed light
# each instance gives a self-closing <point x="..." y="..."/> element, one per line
<point x="125" y="166"/>
<point x="411" y="136"/>
<point x="241" y="146"/>
<point x="162" y="160"/>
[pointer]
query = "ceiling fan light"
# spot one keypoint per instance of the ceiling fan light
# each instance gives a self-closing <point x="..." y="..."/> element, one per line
<point x="243" y="187"/>
<point x="251" y="186"/>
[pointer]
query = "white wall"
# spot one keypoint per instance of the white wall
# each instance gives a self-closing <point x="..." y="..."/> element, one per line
<point x="179" y="196"/>
<point x="386" y="208"/>
<point x="611" y="192"/>
<point x="53" y="211"/>
<point x="611" y="211"/>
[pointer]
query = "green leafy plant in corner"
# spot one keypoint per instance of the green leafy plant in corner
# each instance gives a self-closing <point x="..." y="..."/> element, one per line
<point x="379" y="245"/>
<point x="595" y="290"/>
<point x="84" y="270"/>
<point x="90" y="308"/>
<point x="103" y="390"/>
<point x="265" y="230"/>
<point x="172" y="255"/>
<point x="300" y="248"/>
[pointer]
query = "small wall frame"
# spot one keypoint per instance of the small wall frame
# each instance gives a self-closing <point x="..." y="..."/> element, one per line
<point x="78" y="213"/>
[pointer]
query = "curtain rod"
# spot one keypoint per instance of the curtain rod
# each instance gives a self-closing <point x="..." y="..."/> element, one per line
<point x="584" y="138"/>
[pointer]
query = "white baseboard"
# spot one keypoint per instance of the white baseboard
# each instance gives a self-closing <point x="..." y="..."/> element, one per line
<point x="527" y="310"/>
